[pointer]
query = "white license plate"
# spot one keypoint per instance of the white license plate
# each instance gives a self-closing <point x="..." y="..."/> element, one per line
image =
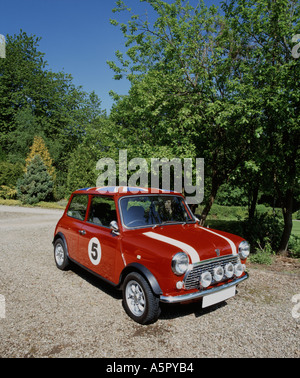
<point x="217" y="297"/>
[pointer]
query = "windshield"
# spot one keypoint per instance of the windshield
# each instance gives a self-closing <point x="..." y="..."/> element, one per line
<point x="145" y="210"/>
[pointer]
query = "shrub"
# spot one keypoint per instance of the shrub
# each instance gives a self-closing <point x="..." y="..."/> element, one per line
<point x="36" y="184"/>
<point x="294" y="246"/>
<point x="10" y="173"/>
<point x="8" y="192"/>
<point x="39" y="148"/>
<point x="263" y="232"/>
<point x="262" y="257"/>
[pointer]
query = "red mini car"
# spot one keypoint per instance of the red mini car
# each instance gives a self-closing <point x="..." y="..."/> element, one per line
<point x="148" y="243"/>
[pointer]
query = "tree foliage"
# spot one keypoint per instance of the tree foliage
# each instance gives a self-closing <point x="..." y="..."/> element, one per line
<point x="39" y="148"/>
<point x="37" y="101"/>
<point x="36" y="184"/>
<point x="266" y="29"/>
<point x="222" y="85"/>
<point x="185" y="88"/>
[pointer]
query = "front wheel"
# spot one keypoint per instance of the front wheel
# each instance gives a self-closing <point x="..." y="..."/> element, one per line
<point x="138" y="299"/>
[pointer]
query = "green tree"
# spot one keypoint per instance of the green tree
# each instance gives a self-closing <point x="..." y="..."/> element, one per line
<point x="39" y="148"/>
<point x="21" y="77"/>
<point x="263" y="32"/>
<point x="36" y="101"/>
<point x="100" y="140"/>
<point x="36" y="184"/>
<point x="184" y="88"/>
<point x="225" y="87"/>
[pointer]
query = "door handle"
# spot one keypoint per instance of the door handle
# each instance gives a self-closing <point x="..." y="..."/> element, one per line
<point x="82" y="232"/>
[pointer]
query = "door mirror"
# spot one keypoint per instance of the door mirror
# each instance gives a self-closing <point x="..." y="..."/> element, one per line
<point x="114" y="227"/>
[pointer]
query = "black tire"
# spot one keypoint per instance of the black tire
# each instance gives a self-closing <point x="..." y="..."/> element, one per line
<point x="60" y="255"/>
<point x="139" y="301"/>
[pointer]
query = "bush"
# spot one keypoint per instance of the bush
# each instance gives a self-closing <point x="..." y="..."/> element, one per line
<point x="10" y="173"/>
<point x="8" y="192"/>
<point x="294" y="246"/>
<point x="262" y="257"/>
<point x="263" y="232"/>
<point x="36" y="185"/>
<point x="39" y="148"/>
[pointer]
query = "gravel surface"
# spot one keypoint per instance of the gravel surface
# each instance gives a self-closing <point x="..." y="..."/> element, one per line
<point x="50" y="313"/>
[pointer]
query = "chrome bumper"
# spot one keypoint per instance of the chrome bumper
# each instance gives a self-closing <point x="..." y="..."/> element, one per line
<point x="201" y="294"/>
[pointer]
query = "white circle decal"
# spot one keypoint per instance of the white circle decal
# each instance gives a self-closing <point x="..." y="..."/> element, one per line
<point x="95" y="251"/>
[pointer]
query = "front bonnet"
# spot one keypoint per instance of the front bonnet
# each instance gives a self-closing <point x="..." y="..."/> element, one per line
<point x="198" y="242"/>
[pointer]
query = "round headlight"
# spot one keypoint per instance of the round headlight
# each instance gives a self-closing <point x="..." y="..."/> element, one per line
<point x="238" y="269"/>
<point x="180" y="263"/>
<point x="244" y="250"/>
<point x="218" y="273"/>
<point x="229" y="270"/>
<point x="205" y="279"/>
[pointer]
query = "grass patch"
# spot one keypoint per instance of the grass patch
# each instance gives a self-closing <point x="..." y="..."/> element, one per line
<point x="263" y="232"/>
<point x="236" y="213"/>
<point x="51" y="205"/>
<point x="296" y="228"/>
<point x="219" y="212"/>
<point x="45" y="205"/>
<point x="10" y="202"/>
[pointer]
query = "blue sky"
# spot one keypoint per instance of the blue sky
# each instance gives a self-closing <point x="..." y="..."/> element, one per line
<point x="77" y="38"/>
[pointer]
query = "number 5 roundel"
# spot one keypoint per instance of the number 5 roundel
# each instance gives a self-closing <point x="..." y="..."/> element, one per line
<point x="95" y="251"/>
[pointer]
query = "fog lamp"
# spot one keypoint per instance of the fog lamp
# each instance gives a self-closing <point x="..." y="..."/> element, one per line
<point x="218" y="273"/>
<point x="229" y="270"/>
<point x="205" y="279"/>
<point x="238" y="269"/>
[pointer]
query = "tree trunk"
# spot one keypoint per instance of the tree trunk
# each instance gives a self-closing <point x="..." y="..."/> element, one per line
<point x="212" y="197"/>
<point x="287" y="211"/>
<point x="193" y="207"/>
<point x="252" y="206"/>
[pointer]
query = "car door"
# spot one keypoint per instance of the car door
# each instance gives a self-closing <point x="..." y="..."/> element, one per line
<point x="74" y="221"/>
<point x="97" y="244"/>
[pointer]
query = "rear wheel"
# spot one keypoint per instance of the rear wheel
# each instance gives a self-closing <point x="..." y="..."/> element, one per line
<point x="60" y="255"/>
<point x="138" y="299"/>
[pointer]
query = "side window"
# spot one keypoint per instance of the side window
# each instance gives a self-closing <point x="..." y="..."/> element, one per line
<point x="78" y="205"/>
<point x="102" y="211"/>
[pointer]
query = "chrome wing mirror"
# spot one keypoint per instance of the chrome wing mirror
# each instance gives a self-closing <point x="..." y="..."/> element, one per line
<point x="114" y="227"/>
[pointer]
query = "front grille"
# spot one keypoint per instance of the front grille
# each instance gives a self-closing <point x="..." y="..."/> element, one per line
<point x="192" y="278"/>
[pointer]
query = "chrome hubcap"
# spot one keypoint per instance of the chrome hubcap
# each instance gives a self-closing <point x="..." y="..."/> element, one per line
<point x="59" y="254"/>
<point x="135" y="298"/>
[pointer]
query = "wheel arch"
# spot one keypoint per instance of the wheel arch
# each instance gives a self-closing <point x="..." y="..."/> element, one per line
<point x="139" y="268"/>
<point x="61" y="236"/>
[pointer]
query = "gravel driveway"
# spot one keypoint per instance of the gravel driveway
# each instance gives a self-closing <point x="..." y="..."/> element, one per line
<point x="50" y="313"/>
